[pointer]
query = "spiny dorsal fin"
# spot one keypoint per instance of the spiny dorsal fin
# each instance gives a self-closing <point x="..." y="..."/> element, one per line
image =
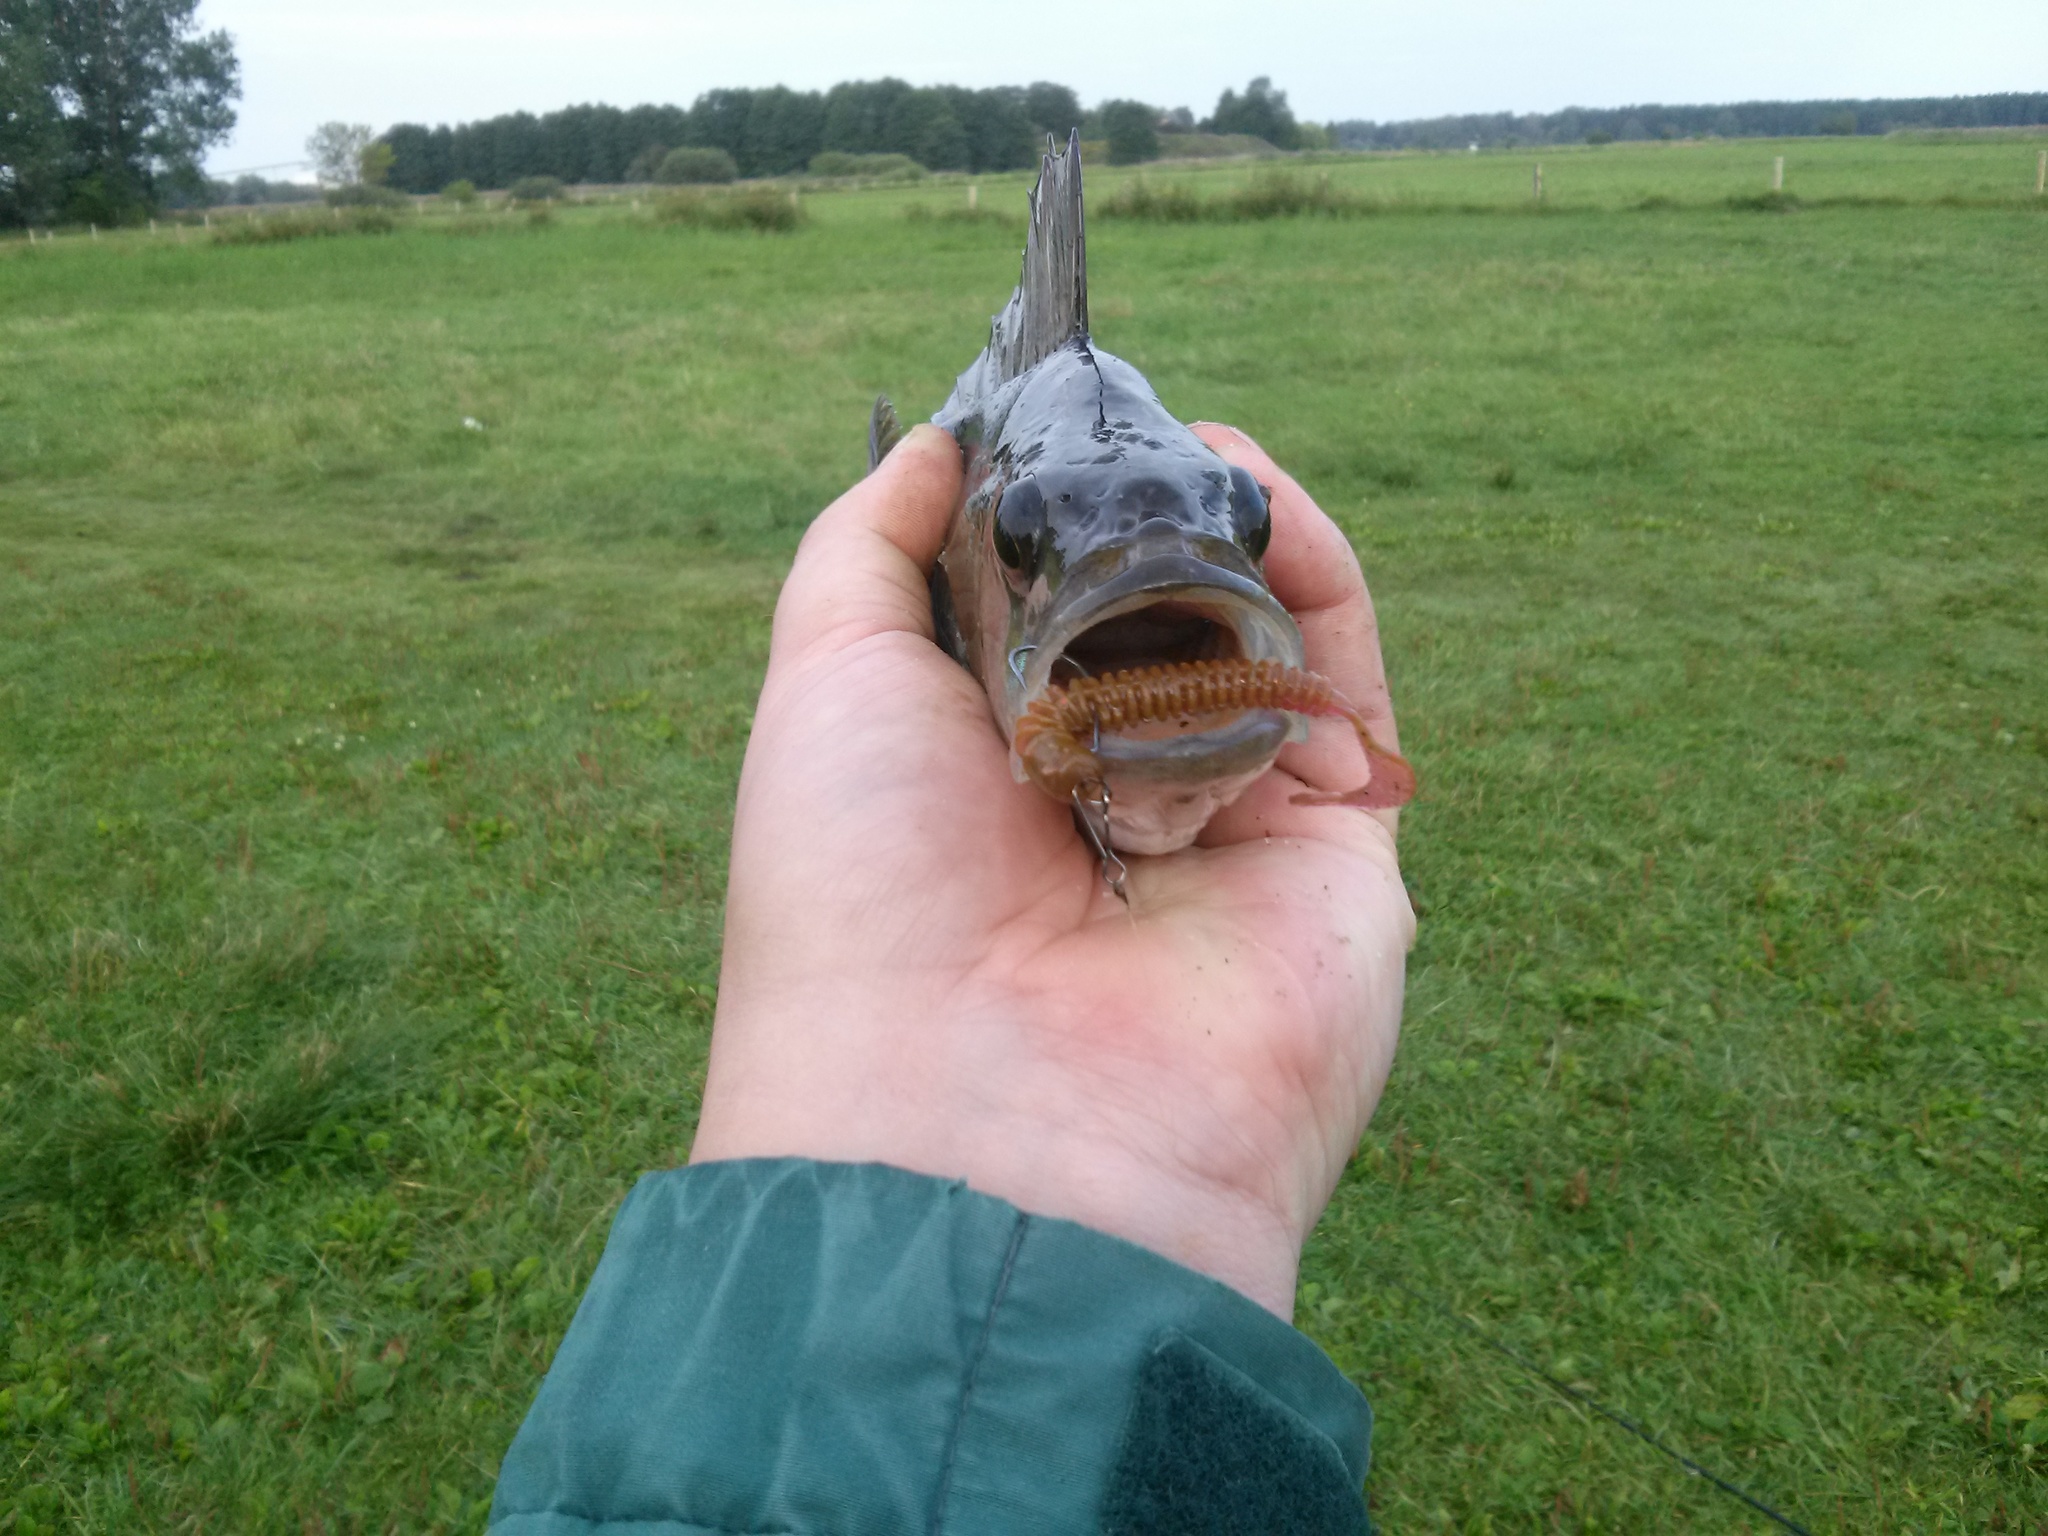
<point x="1050" y="306"/>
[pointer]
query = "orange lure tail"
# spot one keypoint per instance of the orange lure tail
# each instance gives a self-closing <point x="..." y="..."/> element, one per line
<point x="1052" y="735"/>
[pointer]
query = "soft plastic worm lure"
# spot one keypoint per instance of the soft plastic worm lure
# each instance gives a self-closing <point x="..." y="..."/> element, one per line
<point x="1054" y="736"/>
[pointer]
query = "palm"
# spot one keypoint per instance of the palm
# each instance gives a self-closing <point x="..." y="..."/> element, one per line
<point x="924" y="967"/>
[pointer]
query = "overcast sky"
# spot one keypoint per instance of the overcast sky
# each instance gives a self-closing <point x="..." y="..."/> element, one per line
<point x="386" y="61"/>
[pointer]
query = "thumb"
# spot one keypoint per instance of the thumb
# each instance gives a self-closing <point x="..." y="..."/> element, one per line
<point x="863" y="565"/>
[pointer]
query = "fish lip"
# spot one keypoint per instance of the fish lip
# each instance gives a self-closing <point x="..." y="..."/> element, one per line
<point x="1247" y="741"/>
<point x="1265" y="632"/>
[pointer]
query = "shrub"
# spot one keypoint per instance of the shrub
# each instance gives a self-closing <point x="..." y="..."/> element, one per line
<point x="696" y="167"/>
<point x="1599" y="136"/>
<point x="1141" y="199"/>
<point x="535" y="189"/>
<point x="762" y="209"/>
<point x="1839" y="123"/>
<point x="924" y="213"/>
<point x="1270" y="195"/>
<point x="1274" y="194"/>
<point x="461" y="192"/>
<point x="645" y="165"/>
<point x="362" y="194"/>
<point x="250" y="190"/>
<point x="837" y="163"/>
<point x="305" y="224"/>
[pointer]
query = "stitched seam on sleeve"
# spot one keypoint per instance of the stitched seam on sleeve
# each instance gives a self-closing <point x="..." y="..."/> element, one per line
<point x="988" y="1327"/>
<point x="674" y="1523"/>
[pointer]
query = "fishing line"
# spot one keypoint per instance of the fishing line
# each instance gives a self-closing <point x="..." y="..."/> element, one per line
<point x="1586" y="1399"/>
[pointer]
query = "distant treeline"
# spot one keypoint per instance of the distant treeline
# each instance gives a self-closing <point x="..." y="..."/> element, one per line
<point x="777" y="131"/>
<point x="1745" y="119"/>
<point x="767" y="132"/>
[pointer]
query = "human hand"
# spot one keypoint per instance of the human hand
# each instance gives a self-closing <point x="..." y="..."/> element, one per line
<point x="924" y="968"/>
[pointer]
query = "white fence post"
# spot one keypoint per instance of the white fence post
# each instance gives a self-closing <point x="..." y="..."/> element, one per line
<point x="1538" y="183"/>
<point x="2041" y="174"/>
<point x="1778" y="174"/>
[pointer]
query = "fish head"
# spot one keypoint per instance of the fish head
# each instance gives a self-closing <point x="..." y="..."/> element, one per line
<point x="1111" y="539"/>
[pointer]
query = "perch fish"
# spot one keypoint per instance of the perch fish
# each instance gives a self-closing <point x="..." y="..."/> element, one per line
<point x="1102" y="575"/>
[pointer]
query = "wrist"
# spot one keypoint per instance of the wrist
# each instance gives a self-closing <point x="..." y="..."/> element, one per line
<point x="1240" y="1237"/>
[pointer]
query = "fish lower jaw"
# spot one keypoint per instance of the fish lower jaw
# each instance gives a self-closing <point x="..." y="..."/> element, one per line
<point x="1150" y="816"/>
<point x="1166" y="779"/>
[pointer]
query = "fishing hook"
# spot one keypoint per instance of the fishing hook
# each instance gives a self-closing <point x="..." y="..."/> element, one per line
<point x="1017" y="662"/>
<point x="1114" y="871"/>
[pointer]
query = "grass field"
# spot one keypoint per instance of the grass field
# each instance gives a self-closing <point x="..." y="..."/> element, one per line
<point x="365" y="774"/>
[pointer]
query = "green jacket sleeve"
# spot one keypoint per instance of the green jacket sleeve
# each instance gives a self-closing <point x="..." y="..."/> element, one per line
<point x="805" y="1348"/>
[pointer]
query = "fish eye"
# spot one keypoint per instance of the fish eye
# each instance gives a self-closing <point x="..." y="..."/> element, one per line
<point x="1249" y="514"/>
<point x="1020" y="526"/>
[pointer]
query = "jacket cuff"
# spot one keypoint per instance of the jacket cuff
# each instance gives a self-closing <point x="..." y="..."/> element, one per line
<point x="798" y="1347"/>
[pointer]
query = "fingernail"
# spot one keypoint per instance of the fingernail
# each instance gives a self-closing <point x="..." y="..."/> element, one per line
<point x="1234" y="434"/>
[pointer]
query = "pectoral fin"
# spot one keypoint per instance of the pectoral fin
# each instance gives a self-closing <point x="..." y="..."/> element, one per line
<point x="884" y="432"/>
<point x="945" y="622"/>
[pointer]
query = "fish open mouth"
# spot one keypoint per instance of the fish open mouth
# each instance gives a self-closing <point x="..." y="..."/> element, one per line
<point x="1161" y="634"/>
<point x="1162" y="699"/>
<point x="1175" y="632"/>
<point x="1174" y="610"/>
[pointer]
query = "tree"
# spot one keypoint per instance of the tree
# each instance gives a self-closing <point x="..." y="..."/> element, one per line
<point x="336" y="150"/>
<point x="373" y="165"/>
<point x="929" y="131"/>
<point x="1261" y="112"/>
<point x="31" y="130"/>
<point x="108" y="105"/>
<point x="783" y="130"/>
<point x="1054" y="110"/>
<point x="1132" y="129"/>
